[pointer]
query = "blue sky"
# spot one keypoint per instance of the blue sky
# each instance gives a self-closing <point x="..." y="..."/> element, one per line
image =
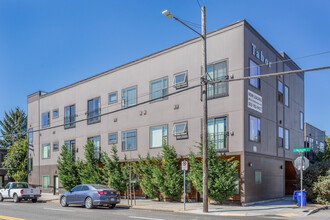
<point x="45" y="45"/>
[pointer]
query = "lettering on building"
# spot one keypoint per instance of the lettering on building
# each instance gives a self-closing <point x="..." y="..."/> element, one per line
<point x="258" y="54"/>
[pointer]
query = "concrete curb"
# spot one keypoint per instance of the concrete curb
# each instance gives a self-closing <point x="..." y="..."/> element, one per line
<point x="325" y="207"/>
<point x="153" y="209"/>
<point x="261" y="202"/>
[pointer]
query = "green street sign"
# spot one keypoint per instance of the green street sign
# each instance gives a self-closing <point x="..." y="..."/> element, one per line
<point x="301" y="150"/>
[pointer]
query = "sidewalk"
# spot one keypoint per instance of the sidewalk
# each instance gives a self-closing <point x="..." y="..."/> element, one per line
<point x="284" y="207"/>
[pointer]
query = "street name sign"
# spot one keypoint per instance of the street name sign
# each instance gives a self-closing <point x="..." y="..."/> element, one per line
<point x="301" y="161"/>
<point x="301" y="150"/>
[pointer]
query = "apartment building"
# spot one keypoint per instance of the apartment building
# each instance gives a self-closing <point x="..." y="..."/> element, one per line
<point x="314" y="138"/>
<point x="257" y="121"/>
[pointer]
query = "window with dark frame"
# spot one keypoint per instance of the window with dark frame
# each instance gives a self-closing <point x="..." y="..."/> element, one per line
<point x="255" y="133"/>
<point x="45" y="151"/>
<point x="216" y="72"/>
<point x="69" y="116"/>
<point x="128" y="140"/>
<point x="217" y="132"/>
<point x="158" y="135"/>
<point x="113" y="97"/>
<point x="180" y="80"/>
<point x="287" y="139"/>
<point x="128" y="97"/>
<point x="286" y="95"/>
<point x="97" y="146"/>
<point x="71" y="146"/>
<point x="257" y="177"/>
<point x="113" y="138"/>
<point x="55" y="113"/>
<point x="254" y="71"/>
<point x="30" y="135"/>
<point x="56" y="146"/>
<point x="301" y="121"/>
<point x="45" y="119"/>
<point x="280" y="136"/>
<point x="94" y="110"/>
<point x="280" y="92"/>
<point x="158" y="89"/>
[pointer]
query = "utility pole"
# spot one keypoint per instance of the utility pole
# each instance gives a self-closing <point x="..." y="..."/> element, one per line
<point x="204" y="93"/>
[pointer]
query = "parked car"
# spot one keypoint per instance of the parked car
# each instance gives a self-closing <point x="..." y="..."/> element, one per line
<point x="18" y="191"/>
<point x="91" y="195"/>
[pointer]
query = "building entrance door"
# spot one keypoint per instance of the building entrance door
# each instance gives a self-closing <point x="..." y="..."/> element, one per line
<point x="56" y="185"/>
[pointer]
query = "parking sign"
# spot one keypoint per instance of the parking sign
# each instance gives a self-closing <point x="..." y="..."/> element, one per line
<point x="184" y="165"/>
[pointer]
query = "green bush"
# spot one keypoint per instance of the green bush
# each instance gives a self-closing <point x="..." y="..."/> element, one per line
<point x="322" y="189"/>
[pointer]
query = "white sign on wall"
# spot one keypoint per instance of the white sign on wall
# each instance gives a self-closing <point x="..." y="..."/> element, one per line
<point x="254" y="101"/>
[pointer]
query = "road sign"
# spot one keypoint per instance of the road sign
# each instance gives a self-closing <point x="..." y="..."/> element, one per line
<point x="301" y="162"/>
<point x="184" y="165"/>
<point x="301" y="150"/>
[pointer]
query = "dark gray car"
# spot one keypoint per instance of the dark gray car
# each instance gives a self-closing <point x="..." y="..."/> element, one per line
<point x="91" y="195"/>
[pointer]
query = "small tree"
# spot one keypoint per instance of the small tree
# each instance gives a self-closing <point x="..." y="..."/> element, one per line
<point x="144" y="170"/>
<point x="67" y="169"/>
<point x="89" y="170"/>
<point x="16" y="161"/>
<point x="114" y="171"/>
<point x="221" y="174"/>
<point x="322" y="189"/>
<point x="169" y="176"/>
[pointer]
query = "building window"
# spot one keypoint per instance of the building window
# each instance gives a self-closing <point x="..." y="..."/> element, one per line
<point x="45" y="120"/>
<point x="322" y="147"/>
<point x="128" y="97"/>
<point x="217" y="129"/>
<point x="286" y="95"/>
<point x="254" y="71"/>
<point x="71" y="146"/>
<point x="158" y="89"/>
<point x="180" y="80"/>
<point x="113" y="138"/>
<point x="69" y="116"/>
<point x="236" y="183"/>
<point x="45" y="182"/>
<point x="180" y="129"/>
<point x="255" y="134"/>
<point x="158" y="135"/>
<point x="56" y="146"/>
<point x="97" y="147"/>
<point x="217" y="71"/>
<point x="30" y="132"/>
<point x="280" y="91"/>
<point x="93" y="114"/>
<point x="301" y="121"/>
<point x="128" y="140"/>
<point x="113" y="97"/>
<point x="55" y="113"/>
<point x="45" y="151"/>
<point x="257" y="177"/>
<point x="280" y="136"/>
<point x="287" y="139"/>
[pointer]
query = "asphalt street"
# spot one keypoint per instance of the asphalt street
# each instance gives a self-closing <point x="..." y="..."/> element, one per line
<point x="53" y="211"/>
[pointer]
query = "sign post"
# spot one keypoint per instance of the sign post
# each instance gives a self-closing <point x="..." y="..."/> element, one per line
<point x="301" y="163"/>
<point x="184" y="167"/>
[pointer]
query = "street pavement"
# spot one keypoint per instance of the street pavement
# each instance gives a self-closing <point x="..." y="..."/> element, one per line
<point x="48" y="207"/>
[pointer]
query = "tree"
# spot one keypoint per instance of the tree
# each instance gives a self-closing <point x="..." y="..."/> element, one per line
<point x="114" y="171"/>
<point x="89" y="170"/>
<point x="16" y="161"/>
<point x="322" y="189"/>
<point x="67" y="169"/>
<point x="145" y="170"/>
<point x="13" y="127"/>
<point x="221" y="174"/>
<point x="168" y="175"/>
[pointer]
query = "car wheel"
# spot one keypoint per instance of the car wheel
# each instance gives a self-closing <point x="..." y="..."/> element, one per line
<point x="16" y="199"/>
<point x="89" y="203"/>
<point x="112" y="206"/>
<point x="34" y="200"/>
<point x="1" y="198"/>
<point x="63" y="201"/>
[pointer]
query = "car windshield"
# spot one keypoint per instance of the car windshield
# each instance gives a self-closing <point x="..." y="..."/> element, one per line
<point x="97" y="186"/>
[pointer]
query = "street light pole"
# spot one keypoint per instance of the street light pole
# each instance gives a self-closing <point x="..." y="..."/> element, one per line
<point x="204" y="96"/>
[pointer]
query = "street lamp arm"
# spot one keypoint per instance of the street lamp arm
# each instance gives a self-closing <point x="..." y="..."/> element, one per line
<point x="188" y="26"/>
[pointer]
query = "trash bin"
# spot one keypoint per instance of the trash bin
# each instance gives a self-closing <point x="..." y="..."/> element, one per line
<point x="297" y="197"/>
